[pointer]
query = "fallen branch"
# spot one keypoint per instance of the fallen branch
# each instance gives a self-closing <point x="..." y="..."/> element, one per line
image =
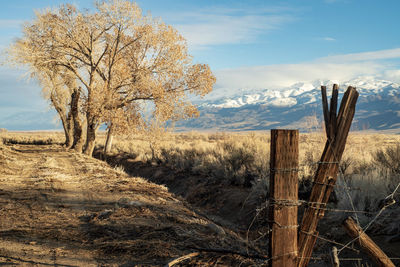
<point x="377" y="255"/>
<point x="183" y="258"/>
<point x="335" y="258"/>
<point x="227" y="251"/>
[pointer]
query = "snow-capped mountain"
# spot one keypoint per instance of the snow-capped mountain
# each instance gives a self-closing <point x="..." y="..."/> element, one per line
<point x="299" y="106"/>
<point x="304" y="93"/>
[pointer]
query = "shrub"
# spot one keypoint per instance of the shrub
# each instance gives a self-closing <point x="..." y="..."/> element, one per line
<point x="367" y="187"/>
<point x="234" y="161"/>
<point x="389" y="159"/>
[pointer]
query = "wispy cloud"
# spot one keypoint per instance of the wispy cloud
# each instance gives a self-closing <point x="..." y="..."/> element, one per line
<point x="229" y="26"/>
<point x="372" y="55"/>
<point x="17" y="92"/>
<point x="391" y="75"/>
<point x="339" y="68"/>
<point x="11" y="23"/>
<point x="334" y="1"/>
<point x="329" y="39"/>
<point x="279" y="76"/>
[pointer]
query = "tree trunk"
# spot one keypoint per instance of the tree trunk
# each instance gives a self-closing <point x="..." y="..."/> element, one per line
<point x="69" y="132"/>
<point x="64" y="120"/>
<point x="79" y="141"/>
<point x="108" y="144"/>
<point x="90" y="138"/>
<point x="91" y="130"/>
<point x="91" y="127"/>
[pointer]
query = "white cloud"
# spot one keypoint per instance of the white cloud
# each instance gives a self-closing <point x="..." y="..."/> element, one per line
<point x="391" y="75"/>
<point x="278" y="76"/>
<point x="10" y="23"/>
<point x="18" y="93"/>
<point x="334" y="1"/>
<point x="365" y="56"/>
<point x="339" y="68"/>
<point x="228" y="26"/>
<point x="329" y="39"/>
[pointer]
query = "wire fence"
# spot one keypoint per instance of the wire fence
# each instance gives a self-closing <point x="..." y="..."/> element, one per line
<point x="386" y="202"/>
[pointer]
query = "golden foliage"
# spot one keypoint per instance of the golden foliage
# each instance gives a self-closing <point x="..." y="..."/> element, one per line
<point x="118" y="57"/>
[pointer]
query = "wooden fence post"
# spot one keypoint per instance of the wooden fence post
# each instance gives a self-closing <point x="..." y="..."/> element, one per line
<point x="337" y="129"/>
<point x="377" y="255"/>
<point x="283" y="200"/>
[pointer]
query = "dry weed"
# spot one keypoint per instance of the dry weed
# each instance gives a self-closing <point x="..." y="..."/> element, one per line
<point x="370" y="165"/>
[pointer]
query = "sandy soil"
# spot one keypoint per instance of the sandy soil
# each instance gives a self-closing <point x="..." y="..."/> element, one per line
<point x="58" y="208"/>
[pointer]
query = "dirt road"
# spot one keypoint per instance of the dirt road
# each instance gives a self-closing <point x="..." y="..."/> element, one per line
<point x="59" y="208"/>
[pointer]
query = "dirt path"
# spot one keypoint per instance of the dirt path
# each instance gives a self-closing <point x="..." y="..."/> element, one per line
<point x="59" y="208"/>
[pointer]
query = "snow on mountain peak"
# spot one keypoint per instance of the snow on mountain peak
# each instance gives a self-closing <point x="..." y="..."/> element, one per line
<point x="369" y="83"/>
<point x="303" y="92"/>
<point x="283" y="102"/>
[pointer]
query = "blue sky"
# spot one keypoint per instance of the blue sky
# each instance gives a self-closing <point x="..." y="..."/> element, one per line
<point x="248" y="44"/>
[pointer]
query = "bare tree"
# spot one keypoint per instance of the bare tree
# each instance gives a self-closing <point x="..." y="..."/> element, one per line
<point x="119" y="58"/>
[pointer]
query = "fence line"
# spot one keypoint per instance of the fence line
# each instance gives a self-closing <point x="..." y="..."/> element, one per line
<point x="374" y="219"/>
<point x="286" y="202"/>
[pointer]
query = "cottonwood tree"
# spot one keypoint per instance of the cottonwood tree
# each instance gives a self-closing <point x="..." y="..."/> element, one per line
<point x="118" y="57"/>
<point x="56" y="88"/>
<point x="122" y="121"/>
<point x="60" y="88"/>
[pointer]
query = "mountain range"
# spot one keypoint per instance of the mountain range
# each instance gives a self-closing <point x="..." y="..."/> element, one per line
<point x="298" y="107"/>
<point x="295" y="107"/>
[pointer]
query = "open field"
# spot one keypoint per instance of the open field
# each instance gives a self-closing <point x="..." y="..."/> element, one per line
<point x="212" y="181"/>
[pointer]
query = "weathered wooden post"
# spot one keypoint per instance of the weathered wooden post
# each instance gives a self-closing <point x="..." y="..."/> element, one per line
<point x="337" y="129"/>
<point x="376" y="254"/>
<point x="283" y="200"/>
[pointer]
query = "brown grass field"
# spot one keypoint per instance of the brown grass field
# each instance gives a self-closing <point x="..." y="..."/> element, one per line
<point x="164" y="195"/>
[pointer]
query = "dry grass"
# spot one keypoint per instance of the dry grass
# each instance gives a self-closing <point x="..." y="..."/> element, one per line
<point x="197" y="151"/>
<point x="65" y="209"/>
<point x="227" y="175"/>
<point x="370" y="164"/>
<point x="33" y="138"/>
<point x="369" y="167"/>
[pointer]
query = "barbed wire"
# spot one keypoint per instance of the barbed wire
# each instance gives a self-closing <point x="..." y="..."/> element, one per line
<point x="313" y="205"/>
<point x="331" y="145"/>
<point x="330" y="142"/>
<point x="365" y="228"/>
<point x="302" y="169"/>
<point x="329" y="240"/>
<point x="389" y="201"/>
